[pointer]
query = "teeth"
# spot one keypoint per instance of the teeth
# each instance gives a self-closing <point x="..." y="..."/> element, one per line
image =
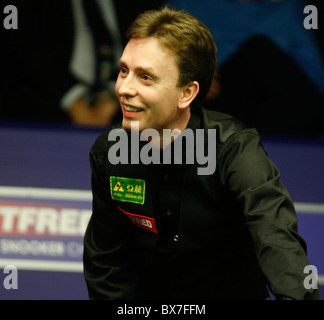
<point x="132" y="109"/>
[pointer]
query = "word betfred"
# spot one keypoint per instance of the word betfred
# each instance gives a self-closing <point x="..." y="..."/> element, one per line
<point x="29" y="220"/>
<point x="151" y="152"/>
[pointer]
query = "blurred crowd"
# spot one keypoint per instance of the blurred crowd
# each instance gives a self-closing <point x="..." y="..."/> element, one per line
<point x="60" y="65"/>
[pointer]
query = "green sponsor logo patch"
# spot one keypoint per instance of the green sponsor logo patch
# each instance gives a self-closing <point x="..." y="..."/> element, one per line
<point x="127" y="189"/>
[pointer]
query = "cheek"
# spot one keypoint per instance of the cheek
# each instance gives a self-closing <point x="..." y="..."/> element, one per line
<point x="149" y="96"/>
<point x="170" y="98"/>
<point x="117" y="86"/>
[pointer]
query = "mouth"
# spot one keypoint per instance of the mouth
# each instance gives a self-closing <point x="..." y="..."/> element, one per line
<point x="131" y="109"/>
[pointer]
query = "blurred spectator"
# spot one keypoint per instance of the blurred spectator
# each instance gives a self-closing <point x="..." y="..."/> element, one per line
<point x="264" y="87"/>
<point x="94" y="61"/>
<point x="35" y="60"/>
<point x="270" y="70"/>
<point x="64" y="53"/>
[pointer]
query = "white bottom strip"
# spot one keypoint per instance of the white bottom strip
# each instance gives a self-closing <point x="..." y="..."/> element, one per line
<point x="45" y="193"/>
<point x="305" y="207"/>
<point x="42" y="265"/>
<point x="320" y="280"/>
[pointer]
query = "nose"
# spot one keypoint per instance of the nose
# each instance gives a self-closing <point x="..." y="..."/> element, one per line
<point x="126" y="86"/>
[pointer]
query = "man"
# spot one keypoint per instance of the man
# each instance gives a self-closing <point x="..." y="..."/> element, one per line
<point x="163" y="230"/>
<point x="94" y="58"/>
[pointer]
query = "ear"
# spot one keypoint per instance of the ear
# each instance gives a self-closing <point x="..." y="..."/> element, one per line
<point x="189" y="93"/>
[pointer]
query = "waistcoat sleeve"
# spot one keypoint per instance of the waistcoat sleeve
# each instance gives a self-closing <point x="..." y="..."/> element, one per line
<point x="107" y="241"/>
<point x="249" y="174"/>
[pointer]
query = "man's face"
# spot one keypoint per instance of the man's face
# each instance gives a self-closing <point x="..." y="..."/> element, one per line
<point x="147" y="86"/>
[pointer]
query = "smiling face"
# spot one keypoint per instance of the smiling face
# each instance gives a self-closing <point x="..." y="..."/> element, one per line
<point x="147" y="87"/>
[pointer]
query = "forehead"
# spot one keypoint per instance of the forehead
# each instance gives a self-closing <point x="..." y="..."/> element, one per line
<point x="149" y="53"/>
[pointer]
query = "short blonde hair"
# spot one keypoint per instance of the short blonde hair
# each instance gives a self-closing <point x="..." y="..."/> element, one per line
<point x="188" y="37"/>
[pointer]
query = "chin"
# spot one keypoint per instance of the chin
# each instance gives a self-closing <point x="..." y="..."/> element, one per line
<point x="126" y="124"/>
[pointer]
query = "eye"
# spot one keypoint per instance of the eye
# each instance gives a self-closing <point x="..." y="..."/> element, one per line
<point x="146" y="77"/>
<point x="123" y="71"/>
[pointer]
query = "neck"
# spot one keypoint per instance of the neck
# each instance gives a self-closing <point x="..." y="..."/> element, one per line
<point x="168" y="136"/>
